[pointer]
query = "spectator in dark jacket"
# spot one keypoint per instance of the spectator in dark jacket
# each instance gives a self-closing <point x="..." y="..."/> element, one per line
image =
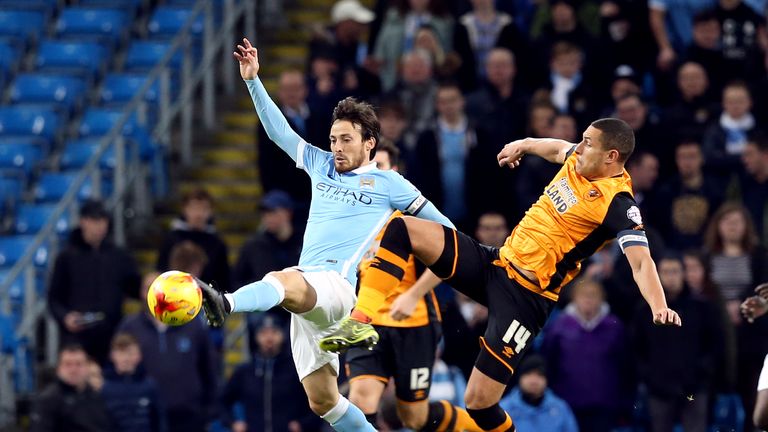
<point x="678" y="364"/>
<point x="196" y="226"/>
<point x="276" y="246"/>
<point x="130" y="396"/>
<point x="69" y="404"/>
<point x="264" y="385"/>
<point x="90" y="278"/>
<point x="754" y="183"/>
<point x="182" y="362"/>
<point x="587" y="353"/>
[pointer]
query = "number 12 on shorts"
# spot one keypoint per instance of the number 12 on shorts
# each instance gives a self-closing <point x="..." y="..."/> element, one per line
<point x="519" y="333"/>
<point x="419" y="378"/>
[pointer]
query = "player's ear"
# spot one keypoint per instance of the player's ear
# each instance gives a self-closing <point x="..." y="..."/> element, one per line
<point x="612" y="156"/>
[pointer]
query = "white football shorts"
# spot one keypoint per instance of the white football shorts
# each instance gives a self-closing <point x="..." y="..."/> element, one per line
<point x="335" y="300"/>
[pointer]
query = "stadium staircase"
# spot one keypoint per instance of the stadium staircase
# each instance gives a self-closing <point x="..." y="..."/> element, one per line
<point x="226" y="160"/>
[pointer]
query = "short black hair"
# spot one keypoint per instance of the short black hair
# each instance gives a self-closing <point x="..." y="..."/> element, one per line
<point x="362" y="114"/>
<point x="616" y="134"/>
<point x="391" y="149"/>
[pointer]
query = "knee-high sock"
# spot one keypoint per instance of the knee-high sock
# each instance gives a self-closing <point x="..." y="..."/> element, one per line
<point x="444" y="417"/>
<point x="346" y="417"/>
<point x="386" y="270"/>
<point x="258" y="296"/>
<point x="492" y="419"/>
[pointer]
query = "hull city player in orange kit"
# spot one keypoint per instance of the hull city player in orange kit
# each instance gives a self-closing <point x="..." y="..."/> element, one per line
<point x="588" y="203"/>
<point x="408" y="324"/>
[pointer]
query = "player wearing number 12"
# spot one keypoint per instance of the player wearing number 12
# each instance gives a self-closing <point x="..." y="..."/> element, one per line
<point x="588" y="203"/>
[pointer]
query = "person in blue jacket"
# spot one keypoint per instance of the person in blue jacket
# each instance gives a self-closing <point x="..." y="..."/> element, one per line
<point x="532" y="406"/>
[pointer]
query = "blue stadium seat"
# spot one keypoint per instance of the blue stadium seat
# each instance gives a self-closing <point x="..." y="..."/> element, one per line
<point x="62" y="90"/>
<point x="12" y="248"/>
<point x="11" y="189"/>
<point x="10" y="54"/>
<point x="118" y="88"/>
<point x="77" y="153"/>
<point x="727" y="413"/>
<point x="99" y="121"/>
<point x="45" y="6"/>
<point x="143" y="55"/>
<point x="30" y="218"/>
<point x="128" y="6"/>
<point x="7" y="334"/>
<point x="26" y="121"/>
<point x="51" y="187"/>
<point x="166" y="21"/>
<point x="21" y="25"/>
<point x="20" y="157"/>
<point x="82" y="58"/>
<point x="106" y="25"/>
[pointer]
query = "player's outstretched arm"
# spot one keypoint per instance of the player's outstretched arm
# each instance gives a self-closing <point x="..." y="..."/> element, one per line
<point x="404" y="305"/>
<point x="647" y="278"/>
<point x="274" y="122"/>
<point x="551" y="149"/>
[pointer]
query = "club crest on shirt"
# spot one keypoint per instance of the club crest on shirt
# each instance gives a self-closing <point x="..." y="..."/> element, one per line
<point x="633" y="213"/>
<point x="367" y="183"/>
<point x="592" y="195"/>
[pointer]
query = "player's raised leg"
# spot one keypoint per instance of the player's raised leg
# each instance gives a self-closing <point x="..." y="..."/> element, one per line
<point x="482" y="400"/>
<point x="402" y="237"/>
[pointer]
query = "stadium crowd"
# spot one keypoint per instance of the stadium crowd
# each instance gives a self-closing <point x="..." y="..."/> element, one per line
<point x="453" y="81"/>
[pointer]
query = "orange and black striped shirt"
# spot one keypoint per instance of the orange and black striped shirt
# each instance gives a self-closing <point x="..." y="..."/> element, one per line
<point x="426" y="310"/>
<point x="573" y="219"/>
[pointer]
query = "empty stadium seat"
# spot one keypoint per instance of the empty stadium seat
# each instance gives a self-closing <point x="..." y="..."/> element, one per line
<point x="21" y="25"/>
<point x="128" y="6"/>
<point x="166" y="21"/>
<point x="99" y="121"/>
<point x="119" y="88"/>
<point x="30" y="218"/>
<point x="13" y="248"/>
<point x="20" y="157"/>
<point x="29" y="121"/>
<point x="61" y="90"/>
<point x="106" y="25"/>
<point x="51" y="187"/>
<point x="11" y="189"/>
<point x="45" y="6"/>
<point x="727" y="413"/>
<point x="82" y="58"/>
<point x="144" y="55"/>
<point x="10" y="54"/>
<point x="77" y="153"/>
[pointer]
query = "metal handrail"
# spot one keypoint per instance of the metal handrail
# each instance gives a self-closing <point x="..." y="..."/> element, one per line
<point x="127" y="171"/>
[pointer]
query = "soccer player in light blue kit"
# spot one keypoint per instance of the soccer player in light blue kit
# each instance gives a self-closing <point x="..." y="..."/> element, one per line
<point x="351" y="202"/>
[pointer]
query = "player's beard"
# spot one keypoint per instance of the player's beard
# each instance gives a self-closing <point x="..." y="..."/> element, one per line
<point x="353" y="162"/>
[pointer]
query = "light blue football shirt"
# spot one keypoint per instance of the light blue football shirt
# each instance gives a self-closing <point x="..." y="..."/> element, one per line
<point x="347" y="209"/>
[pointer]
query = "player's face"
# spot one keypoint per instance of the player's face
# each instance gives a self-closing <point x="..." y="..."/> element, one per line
<point x="349" y="149"/>
<point x="591" y="156"/>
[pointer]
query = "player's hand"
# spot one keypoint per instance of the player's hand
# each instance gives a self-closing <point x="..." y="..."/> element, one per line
<point x="403" y="307"/>
<point x="667" y="316"/>
<point x="511" y="154"/>
<point x="762" y="291"/>
<point x="754" y="307"/>
<point x="249" y="60"/>
<point x="239" y="426"/>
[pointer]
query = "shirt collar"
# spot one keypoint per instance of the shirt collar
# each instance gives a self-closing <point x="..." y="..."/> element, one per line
<point x="370" y="166"/>
<point x="445" y="127"/>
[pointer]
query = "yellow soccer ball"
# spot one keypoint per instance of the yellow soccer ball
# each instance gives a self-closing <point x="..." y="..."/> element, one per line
<point x="174" y="298"/>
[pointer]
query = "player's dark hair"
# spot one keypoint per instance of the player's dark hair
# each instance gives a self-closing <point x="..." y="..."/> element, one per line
<point x="616" y="134"/>
<point x="72" y="348"/>
<point x="391" y="149"/>
<point x="361" y="114"/>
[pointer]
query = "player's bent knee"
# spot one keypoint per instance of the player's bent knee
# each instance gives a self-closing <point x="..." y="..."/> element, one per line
<point x="366" y="398"/>
<point x="321" y="406"/>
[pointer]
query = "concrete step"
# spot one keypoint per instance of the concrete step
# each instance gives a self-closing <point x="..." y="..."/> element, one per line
<point x="223" y="191"/>
<point x="245" y="171"/>
<point x="145" y="257"/>
<point x="236" y="137"/>
<point x="241" y="120"/>
<point x="283" y="52"/>
<point x="230" y="156"/>
<point x="309" y="16"/>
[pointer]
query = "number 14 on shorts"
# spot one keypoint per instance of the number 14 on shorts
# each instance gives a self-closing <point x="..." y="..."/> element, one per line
<point x="519" y="334"/>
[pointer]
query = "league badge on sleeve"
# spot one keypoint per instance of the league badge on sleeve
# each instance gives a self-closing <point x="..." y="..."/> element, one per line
<point x="633" y="213"/>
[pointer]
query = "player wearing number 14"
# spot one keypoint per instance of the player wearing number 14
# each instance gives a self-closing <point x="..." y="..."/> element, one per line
<point x="587" y="204"/>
